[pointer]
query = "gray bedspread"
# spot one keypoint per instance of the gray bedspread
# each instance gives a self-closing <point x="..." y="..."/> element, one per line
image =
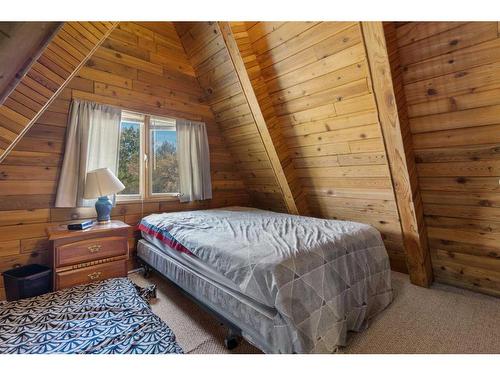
<point x="324" y="277"/>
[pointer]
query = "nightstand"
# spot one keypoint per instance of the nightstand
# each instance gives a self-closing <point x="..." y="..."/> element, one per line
<point x="93" y="254"/>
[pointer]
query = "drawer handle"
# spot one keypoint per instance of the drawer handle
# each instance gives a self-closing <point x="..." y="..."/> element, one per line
<point x="94" y="248"/>
<point x="94" y="276"/>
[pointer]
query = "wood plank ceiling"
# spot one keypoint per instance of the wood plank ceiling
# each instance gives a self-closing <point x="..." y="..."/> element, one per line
<point x="314" y="90"/>
<point x="140" y="67"/>
<point x="216" y="73"/>
<point x="310" y="122"/>
<point x="63" y="56"/>
<point x="294" y="102"/>
<point x="264" y="118"/>
<point x="20" y="44"/>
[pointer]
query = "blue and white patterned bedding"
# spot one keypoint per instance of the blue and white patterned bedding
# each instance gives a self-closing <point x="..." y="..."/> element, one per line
<point x="107" y="317"/>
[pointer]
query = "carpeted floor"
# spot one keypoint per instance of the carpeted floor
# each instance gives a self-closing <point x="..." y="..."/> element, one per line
<point x="442" y="319"/>
<point x="196" y="331"/>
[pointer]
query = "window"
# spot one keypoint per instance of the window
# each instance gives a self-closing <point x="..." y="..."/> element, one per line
<point x="129" y="154"/>
<point x="163" y="169"/>
<point x="147" y="160"/>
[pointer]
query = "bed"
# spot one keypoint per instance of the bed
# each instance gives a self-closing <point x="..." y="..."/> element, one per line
<point x="107" y="317"/>
<point x="290" y="284"/>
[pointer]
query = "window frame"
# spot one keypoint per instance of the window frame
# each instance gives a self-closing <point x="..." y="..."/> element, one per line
<point x="149" y="160"/>
<point x="145" y="192"/>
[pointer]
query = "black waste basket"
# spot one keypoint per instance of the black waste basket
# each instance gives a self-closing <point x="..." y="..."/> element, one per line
<point x="27" y="281"/>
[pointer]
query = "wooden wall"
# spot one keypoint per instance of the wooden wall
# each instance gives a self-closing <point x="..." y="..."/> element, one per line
<point x="142" y="67"/>
<point x="314" y="87"/>
<point x="259" y="87"/>
<point x="451" y="76"/>
<point x="216" y="74"/>
<point x="316" y="75"/>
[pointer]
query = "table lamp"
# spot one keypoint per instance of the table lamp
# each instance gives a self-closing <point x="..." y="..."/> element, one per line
<point x="99" y="184"/>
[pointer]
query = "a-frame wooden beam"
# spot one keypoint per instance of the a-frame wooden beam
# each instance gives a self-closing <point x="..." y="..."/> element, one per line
<point x="261" y="90"/>
<point x="398" y="143"/>
<point x="248" y="91"/>
<point x="71" y="47"/>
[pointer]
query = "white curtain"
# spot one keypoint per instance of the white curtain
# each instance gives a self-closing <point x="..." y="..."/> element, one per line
<point x="92" y="141"/>
<point x="194" y="161"/>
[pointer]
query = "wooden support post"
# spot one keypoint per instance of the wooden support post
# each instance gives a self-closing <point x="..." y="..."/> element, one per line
<point x="47" y="77"/>
<point x="398" y="144"/>
<point x="248" y="91"/>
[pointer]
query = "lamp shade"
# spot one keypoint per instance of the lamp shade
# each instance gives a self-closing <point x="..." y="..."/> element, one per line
<point x="101" y="182"/>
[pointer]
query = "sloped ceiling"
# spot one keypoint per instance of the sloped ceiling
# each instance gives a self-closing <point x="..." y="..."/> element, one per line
<point x="20" y="44"/>
<point x="314" y="88"/>
<point x="211" y="60"/>
<point x="141" y="67"/>
<point x="51" y="70"/>
<point x="311" y="82"/>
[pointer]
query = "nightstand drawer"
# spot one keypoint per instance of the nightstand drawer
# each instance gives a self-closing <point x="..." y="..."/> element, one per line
<point x="91" y="274"/>
<point x="89" y="250"/>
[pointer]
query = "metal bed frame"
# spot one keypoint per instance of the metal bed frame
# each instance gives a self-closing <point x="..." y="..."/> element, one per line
<point x="233" y="336"/>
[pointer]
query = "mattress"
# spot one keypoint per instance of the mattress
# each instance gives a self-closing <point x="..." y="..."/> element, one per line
<point x="192" y="262"/>
<point x="323" y="277"/>
<point x="257" y="322"/>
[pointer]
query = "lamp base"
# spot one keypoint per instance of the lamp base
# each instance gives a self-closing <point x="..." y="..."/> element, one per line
<point x="103" y="208"/>
<point x="103" y="222"/>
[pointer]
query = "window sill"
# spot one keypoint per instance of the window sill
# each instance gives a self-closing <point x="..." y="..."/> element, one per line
<point x="163" y="198"/>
